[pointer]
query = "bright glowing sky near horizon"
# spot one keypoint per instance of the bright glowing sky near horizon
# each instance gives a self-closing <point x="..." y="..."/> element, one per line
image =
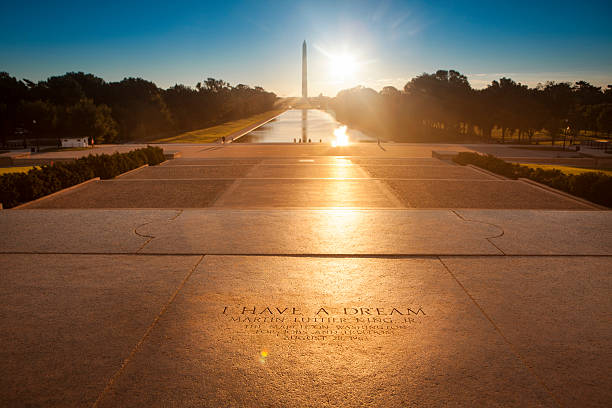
<point x="350" y="43"/>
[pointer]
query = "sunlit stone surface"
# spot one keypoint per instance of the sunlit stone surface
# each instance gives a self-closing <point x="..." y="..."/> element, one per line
<point x="306" y="275"/>
<point x="335" y="332"/>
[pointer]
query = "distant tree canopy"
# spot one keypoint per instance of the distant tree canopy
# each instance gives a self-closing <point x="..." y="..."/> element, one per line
<point x="79" y="104"/>
<point x="444" y="107"/>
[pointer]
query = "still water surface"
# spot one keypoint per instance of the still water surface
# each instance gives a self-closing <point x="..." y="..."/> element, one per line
<point x="301" y="125"/>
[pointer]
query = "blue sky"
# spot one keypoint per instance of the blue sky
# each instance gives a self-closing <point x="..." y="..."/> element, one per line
<point x="259" y="42"/>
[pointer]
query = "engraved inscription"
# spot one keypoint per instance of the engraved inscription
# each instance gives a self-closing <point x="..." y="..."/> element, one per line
<point x="323" y="323"/>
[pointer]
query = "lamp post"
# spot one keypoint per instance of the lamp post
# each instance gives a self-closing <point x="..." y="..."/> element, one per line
<point x="36" y="135"/>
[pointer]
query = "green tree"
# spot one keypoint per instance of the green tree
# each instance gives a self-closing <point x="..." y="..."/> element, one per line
<point x="604" y="119"/>
<point x="85" y="119"/>
<point x="12" y="92"/>
<point x="39" y="118"/>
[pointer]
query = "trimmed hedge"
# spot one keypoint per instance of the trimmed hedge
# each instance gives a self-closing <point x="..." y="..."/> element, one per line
<point x="19" y="188"/>
<point x="593" y="186"/>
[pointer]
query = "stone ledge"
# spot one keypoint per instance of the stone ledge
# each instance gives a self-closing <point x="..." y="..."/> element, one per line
<point x="564" y="194"/>
<point x="24" y="205"/>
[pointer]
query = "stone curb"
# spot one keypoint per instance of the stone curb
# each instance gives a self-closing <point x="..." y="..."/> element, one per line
<point x="564" y="194"/>
<point x="132" y="171"/>
<point x="485" y="171"/>
<point x="21" y="206"/>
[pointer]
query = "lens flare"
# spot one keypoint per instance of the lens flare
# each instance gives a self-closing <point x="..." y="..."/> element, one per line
<point x="341" y="138"/>
<point x="263" y="355"/>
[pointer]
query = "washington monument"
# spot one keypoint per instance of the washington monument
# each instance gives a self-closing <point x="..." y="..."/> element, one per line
<point x="304" y="72"/>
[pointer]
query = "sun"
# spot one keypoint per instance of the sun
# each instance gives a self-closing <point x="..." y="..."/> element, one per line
<point x="343" y="65"/>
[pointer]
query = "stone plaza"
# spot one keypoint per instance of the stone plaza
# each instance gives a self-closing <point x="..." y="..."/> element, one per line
<point x="310" y="276"/>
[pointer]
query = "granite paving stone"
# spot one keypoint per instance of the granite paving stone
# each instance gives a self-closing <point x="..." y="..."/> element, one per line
<point x="408" y="161"/>
<point x="188" y="172"/>
<point x="531" y="232"/>
<point x="493" y="194"/>
<point x="68" y="322"/>
<point x="139" y="194"/>
<point x="316" y="285"/>
<point x="426" y="172"/>
<point x="77" y="230"/>
<point x="299" y="160"/>
<point x="556" y="312"/>
<point x="308" y="193"/>
<point x="213" y="346"/>
<point x="307" y="171"/>
<point x="210" y="162"/>
<point x="332" y="231"/>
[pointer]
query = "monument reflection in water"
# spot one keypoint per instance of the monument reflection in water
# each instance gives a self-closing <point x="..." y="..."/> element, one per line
<point x="302" y="125"/>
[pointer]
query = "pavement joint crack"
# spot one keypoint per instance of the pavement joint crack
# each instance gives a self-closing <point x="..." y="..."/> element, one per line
<point x="138" y="346"/>
<point x="489" y="239"/>
<point x="151" y="237"/>
<point x="177" y="215"/>
<point x="482" y="222"/>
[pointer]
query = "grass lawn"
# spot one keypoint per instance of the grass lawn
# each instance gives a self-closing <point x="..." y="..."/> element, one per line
<point x="209" y="135"/>
<point x="566" y="169"/>
<point x="24" y="169"/>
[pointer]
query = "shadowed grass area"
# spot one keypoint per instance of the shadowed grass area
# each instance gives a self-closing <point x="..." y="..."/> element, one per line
<point x="565" y="169"/>
<point x="24" y="169"/>
<point x="209" y="135"/>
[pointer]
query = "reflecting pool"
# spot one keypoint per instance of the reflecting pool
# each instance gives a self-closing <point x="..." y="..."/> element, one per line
<point x="302" y="125"/>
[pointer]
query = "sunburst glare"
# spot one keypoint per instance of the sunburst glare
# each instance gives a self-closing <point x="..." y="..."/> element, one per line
<point x="343" y="66"/>
<point x="340" y="137"/>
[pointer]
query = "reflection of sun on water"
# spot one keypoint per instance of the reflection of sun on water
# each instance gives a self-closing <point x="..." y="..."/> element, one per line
<point x="341" y="138"/>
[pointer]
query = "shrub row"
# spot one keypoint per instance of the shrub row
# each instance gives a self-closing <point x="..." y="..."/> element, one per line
<point x="18" y="188"/>
<point x="593" y="186"/>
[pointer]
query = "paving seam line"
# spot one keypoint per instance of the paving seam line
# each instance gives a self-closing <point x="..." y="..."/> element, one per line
<point x="388" y="193"/>
<point x="136" y="348"/>
<point x="506" y="340"/>
<point x="307" y="178"/>
<point x="62" y="191"/>
<point x="253" y="168"/>
<point x="315" y="255"/>
<point x="563" y="194"/>
<point x="437" y="166"/>
<point x="365" y="173"/>
<point x="220" y="199"/>
<point x="493" y="243"/>
<point x="210" y="165"/>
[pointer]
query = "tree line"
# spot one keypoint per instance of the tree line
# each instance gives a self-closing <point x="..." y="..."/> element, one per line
<point x="83" y="105"/>
<point x="444" y="107"/>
